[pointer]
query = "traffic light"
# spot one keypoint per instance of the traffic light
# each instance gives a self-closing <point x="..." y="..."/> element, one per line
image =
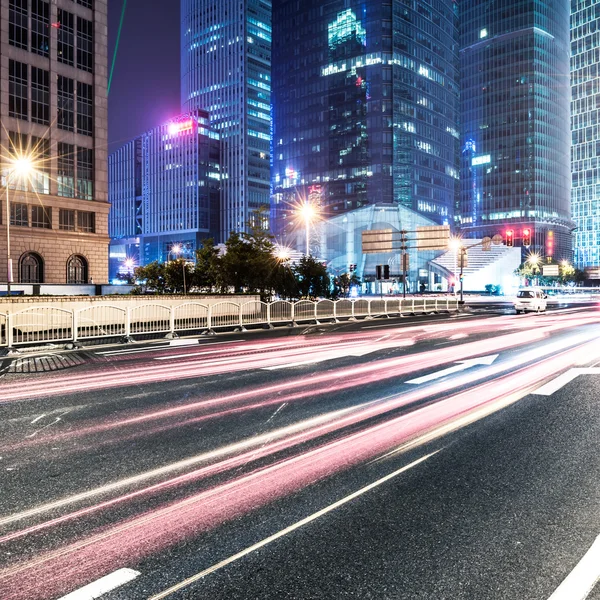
<point x="352" y="268"/>
<point x="510" y="237"/>
<point x="383" y="272"/>
<point x="527" y="237"/>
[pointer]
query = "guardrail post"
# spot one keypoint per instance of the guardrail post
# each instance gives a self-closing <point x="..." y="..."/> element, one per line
<point x="9" y="333"/>
<point x="335" y="319"/>
<point x="75" y="329"/>
<point x="241" y="327"/>
<point x="127" y="339"/>
<point x="316" y="316"/>
<point x="293" y="323"/>
<point x="353" y="316"/>
<point x="368" y="310"/>
<point x="209" y="329"/>
<point x="269" y="324"/>
<point x="171" y="335"/>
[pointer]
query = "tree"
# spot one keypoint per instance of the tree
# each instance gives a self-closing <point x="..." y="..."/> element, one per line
<point x="313" y="279"/>
<point x="208" y="266"/>
<point x="177" y="274"/>
<point x="151" y="277"/>
<point x="345" y="282"/>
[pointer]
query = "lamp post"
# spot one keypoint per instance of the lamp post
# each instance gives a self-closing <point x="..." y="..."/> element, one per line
<point x="456" y="245"/>
<point x="177" y="249"/>
<point x="308" y="213"/>
<point x="21" y="167"/>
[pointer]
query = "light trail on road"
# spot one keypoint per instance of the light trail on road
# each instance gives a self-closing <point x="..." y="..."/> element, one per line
<point x="277" y="463"/>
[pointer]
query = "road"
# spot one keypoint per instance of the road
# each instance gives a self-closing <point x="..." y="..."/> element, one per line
<point x="439" y="457"/>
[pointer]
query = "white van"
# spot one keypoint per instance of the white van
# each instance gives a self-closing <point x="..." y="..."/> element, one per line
<point x="530" y="299"/>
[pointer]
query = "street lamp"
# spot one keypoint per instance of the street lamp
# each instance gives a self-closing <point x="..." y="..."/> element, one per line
<point x="282" y="253"/>
<point x="177" y="249"/>
<point x="21" y="167"/>
<point x="308" y="212"/>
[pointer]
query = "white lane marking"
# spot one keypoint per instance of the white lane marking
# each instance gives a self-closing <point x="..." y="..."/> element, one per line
<point x="103" y="585"/>
<point x="185" y="342"/>
<point x="556" y="384"/>
<point x="289" y="529"/>
<point x="461" y="366"/>
<point x="38" y="418"/>
<point x="583" y="578"/>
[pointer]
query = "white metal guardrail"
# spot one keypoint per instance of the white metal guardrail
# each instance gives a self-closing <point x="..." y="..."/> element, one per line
<point x="49" y="324"/>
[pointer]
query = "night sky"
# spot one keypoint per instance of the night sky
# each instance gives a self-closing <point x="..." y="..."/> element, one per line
<point x="145" y="89"/>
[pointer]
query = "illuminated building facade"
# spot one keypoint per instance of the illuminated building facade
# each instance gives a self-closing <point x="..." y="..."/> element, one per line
<point x="53" y="108"/>
<point x="515" y="115"/>
<point x="585" y="59"/>
<point x="365" y="108"/>
<point x="226" y="70"/>
<point x="164" y="193"/>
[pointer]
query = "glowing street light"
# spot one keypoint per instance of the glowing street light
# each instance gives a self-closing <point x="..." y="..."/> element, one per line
<point x="308" y="213"/>
<point x="282" y="253"/>
<point x="177" y="249"/>
<point x="534" y="259"/>
<point x="20" y="167"/>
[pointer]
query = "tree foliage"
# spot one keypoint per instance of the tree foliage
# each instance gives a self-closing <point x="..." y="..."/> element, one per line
<point x="248" y="265"/>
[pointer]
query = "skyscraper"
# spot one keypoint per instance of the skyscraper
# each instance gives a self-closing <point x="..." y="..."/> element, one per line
<point x="515" y="115"/>
<point x="164" y="191"/>
<point x="226" y="70"/>
<point x="365" y="107"/>
<point x="585" y="61"/>
<point x="53" y="114"/>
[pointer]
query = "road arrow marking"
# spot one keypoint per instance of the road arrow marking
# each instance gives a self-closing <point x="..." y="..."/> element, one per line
<point x="556" y="384"/>
<point x="461" y="366"/>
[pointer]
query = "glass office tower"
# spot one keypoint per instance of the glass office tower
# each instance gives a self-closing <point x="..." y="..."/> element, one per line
<point x="515" y="117"/>
<point x="585" y="58"/>
<point x="365" y="108"/>
<point x="164" y="193"/>
<point x="226" y="70"/>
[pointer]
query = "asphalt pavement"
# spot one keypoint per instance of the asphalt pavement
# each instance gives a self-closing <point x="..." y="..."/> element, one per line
<point x="393" y="458"/>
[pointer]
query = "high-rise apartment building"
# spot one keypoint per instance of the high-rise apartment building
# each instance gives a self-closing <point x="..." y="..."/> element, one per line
<point x="365" y="108"/>
<point x="226" y="70"/>
<point x="164" y="191"/>
<point x="53" y="78"/>
<point x="585" y="71"/>
<point x="515" y="122"/>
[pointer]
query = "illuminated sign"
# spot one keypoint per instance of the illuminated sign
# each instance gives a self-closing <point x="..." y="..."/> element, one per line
<point x="484" y="159"/>
<point x="181" y="127"/>
<point x="550" y="243"/>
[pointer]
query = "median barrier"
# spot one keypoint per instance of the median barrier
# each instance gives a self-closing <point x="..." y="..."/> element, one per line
<point x="46" y="324"/>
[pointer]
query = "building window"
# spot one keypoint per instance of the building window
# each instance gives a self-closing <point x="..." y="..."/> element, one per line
<point x="86" y="3"/>
<point x="66" y="37"/>
<point x="17" y="90"/>
<point x="86" y="221"/>
<point x="18" y="214"/>
<point x="40" y="179"/>
<point x="85" y="173"/>
<point x="40" y="96"/>
<point x="17" y="23"/>
<point x="66" y="170"/>
<point x="84" y="108"/>
<point x="66" y="219"/>
<point x="65" y="103"/>
<point x="40" y="23"/>
<point x="31" y="268"/>
<point x="41" y="217"/>
<point x="85" y="46"/>
<point x="77" y="270"/>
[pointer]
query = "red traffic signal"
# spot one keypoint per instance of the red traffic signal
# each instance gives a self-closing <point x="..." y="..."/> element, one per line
<point x="527" y="237"/>
<point x="510" y="237"/>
